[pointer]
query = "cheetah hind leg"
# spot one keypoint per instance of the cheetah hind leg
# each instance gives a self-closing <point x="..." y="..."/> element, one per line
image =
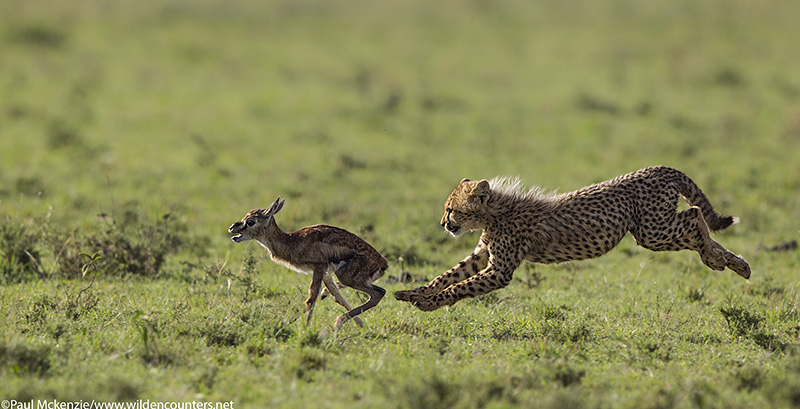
<point x="695" y="236"/>
<point x="720" y="257"/>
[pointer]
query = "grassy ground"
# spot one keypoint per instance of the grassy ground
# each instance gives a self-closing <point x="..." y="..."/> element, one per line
<point x="138" y="131"/>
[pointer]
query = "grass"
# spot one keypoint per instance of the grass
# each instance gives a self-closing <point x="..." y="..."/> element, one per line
<point x="137" y="132"/>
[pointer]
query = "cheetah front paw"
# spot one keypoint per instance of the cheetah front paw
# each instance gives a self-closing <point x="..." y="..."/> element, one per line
<point x="426" y="302"/>
<point x="406" y="295"/>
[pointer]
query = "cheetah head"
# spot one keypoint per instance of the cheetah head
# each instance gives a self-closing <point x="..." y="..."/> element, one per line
<point x="254" y="223"/>
<point x="464" y="207"/>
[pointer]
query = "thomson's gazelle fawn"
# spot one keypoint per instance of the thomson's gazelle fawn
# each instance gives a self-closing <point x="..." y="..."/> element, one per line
<point x="319" y="250"/>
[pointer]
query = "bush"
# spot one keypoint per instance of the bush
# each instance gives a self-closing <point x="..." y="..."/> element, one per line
<point x="22" y="358"/>
<point x="744" y="323"/>
<point x="19" y="254"/>
<point x="127" y="246"/>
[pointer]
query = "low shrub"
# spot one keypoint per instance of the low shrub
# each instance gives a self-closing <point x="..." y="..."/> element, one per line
<point x="20" y="258"/>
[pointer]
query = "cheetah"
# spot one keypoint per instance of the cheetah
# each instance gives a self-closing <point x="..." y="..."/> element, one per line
<point x="547" y="228"/>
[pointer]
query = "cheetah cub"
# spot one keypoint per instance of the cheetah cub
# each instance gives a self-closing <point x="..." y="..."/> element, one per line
<point x="321" y="251"/>
<point x="530" y="225"/>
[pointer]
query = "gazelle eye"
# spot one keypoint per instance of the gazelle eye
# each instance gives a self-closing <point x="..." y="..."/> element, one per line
<point x="251" y="222"/>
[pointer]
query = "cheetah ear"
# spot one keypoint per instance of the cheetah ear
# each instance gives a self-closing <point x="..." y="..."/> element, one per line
<point x="465" y="180"/>
<point x="481" y="190"/>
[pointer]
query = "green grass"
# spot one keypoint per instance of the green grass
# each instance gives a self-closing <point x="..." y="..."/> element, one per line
<point x="141" y="130"/>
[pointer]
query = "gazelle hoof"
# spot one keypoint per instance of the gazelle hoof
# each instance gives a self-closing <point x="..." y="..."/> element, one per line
<point x="342" y="319"/>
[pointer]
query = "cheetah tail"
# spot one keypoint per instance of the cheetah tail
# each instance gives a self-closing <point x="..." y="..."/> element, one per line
<point x="692" y="193"/>
<point x="722" y="222"/>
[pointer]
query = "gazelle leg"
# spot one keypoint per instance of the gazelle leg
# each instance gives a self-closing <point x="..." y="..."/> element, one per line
<point x="333" y="289"/>
<point x="313" y="292"/>
<point x="375" y="294"/>
<point x="325" y="293"/>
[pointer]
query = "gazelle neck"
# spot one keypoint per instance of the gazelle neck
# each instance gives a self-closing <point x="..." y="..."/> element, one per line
<point x="272" y="237"/>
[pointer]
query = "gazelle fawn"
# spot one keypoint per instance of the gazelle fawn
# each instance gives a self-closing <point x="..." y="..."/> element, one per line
<point x="319" y="250"/>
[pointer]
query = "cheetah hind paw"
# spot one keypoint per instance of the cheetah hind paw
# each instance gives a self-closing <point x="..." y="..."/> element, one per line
<point x="740" y="266"/>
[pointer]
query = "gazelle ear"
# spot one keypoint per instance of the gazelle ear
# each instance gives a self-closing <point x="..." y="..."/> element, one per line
<point x="481" y="190"/>
<point x="275" y="207"/>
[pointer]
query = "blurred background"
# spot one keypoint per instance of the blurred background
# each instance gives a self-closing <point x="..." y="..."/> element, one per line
<point x="365" y="114"/>
<point x="134" y="132"/>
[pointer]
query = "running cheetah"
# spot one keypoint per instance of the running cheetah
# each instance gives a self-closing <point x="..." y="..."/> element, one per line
<point x="551" y="228"/>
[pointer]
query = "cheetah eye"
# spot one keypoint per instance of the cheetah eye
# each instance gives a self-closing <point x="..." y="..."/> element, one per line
<point x="251" y="222"/>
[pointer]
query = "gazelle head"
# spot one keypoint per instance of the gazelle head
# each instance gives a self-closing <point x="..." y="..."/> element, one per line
<point x="255" y="222"/>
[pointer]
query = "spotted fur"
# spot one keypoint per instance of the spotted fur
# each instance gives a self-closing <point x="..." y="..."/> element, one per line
<point x="544" y="227"/>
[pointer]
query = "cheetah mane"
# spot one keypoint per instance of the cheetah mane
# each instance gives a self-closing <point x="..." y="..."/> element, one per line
<point x="511" y="187"/>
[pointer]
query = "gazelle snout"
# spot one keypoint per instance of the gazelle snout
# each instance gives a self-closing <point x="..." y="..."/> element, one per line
<point x="234" y="226"/>
<point x="237" y="228"/>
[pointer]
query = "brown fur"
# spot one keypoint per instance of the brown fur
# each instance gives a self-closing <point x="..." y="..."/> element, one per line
<point x="318" y="250"/>
<point x="552" y="228"/>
